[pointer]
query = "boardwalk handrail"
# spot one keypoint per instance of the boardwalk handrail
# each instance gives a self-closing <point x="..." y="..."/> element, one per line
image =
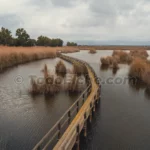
<point x="56" y="132"/>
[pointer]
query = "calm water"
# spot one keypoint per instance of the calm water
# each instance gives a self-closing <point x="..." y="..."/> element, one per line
<point x="121" y="123"/>
<point x="24" y="119"/>
<point x="123" y="120"/>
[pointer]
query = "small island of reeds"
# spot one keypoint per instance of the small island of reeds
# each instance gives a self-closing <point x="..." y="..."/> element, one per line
<point x="92" y="51"/>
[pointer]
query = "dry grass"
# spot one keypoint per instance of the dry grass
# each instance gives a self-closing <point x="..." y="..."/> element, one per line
<point x="115" y="64"/>
<point x="114" y="47"/>
<point x="109" y="60"/>
<point x="73" y="86"/>
<point x="52" y="84"/>
<point x="61" y="68"/>
<point x="10" y="56"/>
<point x="140" y="69"/>
<point x="49" y="85"/>
<point x="139" y="53"/>
<point x="79" y="69"/>
<point x="105" y="61"/>
<point x="122" y="56"/>
<point x="92" y="51"/>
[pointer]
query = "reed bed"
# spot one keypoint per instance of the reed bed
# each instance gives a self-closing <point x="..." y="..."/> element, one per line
<point x="52" y="84"/>
<point x="48" y="86"/>
<point x="139" y="53"/>
<point x="139" y="65"/>
<point x="73" y="85"/>
<point x="11" y="56"/>
<point x="122" y="57"/>
<point x="79" y="69"/>
<point x="61" y="68"/>
<point x="140" y="69"/>
<point x="109" y="61"/>
<point x="92" y="51"/>
<point x="114" y="47"/>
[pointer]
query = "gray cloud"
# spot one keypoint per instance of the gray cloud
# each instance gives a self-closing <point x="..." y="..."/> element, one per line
<point x="64" y="3"/>
<point x="10" y="21"/>
<point x="95" y="20"/>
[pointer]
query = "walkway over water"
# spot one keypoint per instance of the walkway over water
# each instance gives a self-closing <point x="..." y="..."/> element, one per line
<point x="65" y="133"/>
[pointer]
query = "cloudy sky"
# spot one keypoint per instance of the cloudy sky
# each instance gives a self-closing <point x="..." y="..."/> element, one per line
<point x="85" y="21"/>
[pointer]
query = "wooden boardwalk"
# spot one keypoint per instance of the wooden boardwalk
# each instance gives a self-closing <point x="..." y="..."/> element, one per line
<point x="69" y="127"/>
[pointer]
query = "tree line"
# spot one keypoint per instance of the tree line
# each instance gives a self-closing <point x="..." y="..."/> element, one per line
<point x="23" y="39"/>
<point x="71" y="44"/>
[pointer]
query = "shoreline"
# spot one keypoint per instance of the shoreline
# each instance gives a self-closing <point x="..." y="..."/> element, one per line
<point x="13" y="56"/>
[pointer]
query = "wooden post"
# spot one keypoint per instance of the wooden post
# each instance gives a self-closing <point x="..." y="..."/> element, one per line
<point x="90" y="112"/>
<point x="95" y="97"/>
<point x="77" y="106"/>
<point x="83" y="99"/>
<point x="94" y="107"/>
<point x="39" y="148"/>
<point x="85" y="125"/>
<point x="69" y="117"/>
<point x="78" y="138"/>
<point x="89" y="90"/>
<point x="59" y="133"/>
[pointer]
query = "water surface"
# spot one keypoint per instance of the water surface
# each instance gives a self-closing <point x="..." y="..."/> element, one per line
<point x="25" y="119"/>
<point x="123" y="120"/>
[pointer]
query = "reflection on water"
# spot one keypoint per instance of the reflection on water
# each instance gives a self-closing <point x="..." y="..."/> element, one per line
<point x="136" y="84"/>
<point x="147" y="92"/>
<point x="114" y="71"/>
<point x="104" y="67"/>
<point x="122" y="122"/>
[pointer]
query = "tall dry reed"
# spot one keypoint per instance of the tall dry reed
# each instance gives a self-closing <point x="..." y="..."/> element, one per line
<point x="140" y="69"/>
<point x="60" y="68"/>
<point x="92" y="51"/>
<point x="11" y="56"/>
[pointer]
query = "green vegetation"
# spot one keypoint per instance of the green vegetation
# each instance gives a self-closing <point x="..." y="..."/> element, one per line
<point x="45" y="41"/>
<point x="5" y="37"/>
<point x="71" y="44"/>
<point x="23" y="39"/>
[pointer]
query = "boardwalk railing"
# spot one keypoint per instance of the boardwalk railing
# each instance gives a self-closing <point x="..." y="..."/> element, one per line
<point x="56" y="132"/>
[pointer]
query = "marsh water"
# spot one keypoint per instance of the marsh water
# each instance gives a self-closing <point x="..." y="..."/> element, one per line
<point x="121" y="121"/>
<point x="25" y="119"/>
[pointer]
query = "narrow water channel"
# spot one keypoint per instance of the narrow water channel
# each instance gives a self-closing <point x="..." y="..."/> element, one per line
<point x="123" y="120"/>
<point x="24" y="119"/>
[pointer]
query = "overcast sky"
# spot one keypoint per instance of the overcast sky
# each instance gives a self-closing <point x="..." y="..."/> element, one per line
<point x="80" y="20"/>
